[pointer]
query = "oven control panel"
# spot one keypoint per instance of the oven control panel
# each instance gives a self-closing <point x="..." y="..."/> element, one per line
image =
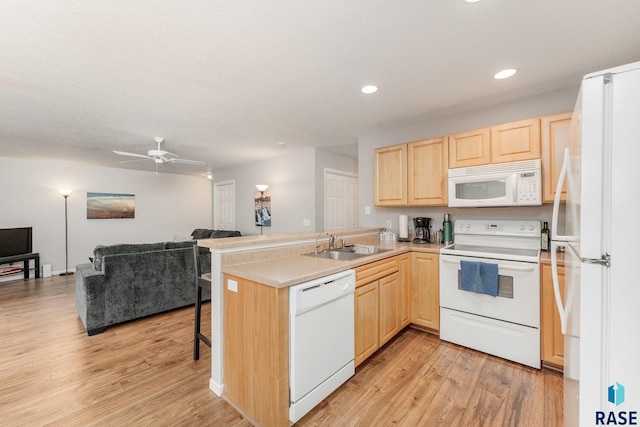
<point x="518" y="228"/>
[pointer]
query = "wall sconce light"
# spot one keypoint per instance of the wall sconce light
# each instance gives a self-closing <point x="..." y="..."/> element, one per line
<point x="65" y="194"/>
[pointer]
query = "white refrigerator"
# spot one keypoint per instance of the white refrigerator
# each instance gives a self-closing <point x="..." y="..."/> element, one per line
<point x="600" y="308"/>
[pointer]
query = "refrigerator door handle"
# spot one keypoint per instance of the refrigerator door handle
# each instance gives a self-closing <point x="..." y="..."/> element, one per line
<point x="562" y="311"/>
<point x="556" y="200"/>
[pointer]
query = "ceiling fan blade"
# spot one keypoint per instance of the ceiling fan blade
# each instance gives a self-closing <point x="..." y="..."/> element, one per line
<point x="125" y="153"/>
<point x="185" y="161"/>
<point x="136" y="160"/>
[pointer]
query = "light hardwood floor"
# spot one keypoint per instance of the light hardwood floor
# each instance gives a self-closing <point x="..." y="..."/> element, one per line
<point x="142" y="373"/>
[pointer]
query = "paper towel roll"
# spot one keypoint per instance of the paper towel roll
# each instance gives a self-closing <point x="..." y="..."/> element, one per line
<point x="403" y="227"/>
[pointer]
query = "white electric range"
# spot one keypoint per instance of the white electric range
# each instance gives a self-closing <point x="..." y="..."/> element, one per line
<point x="508" y="324"/>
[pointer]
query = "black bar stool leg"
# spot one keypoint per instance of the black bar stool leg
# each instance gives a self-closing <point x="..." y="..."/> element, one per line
<point x="197" y="336"/>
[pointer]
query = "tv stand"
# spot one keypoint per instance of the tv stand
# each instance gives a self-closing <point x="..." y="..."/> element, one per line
<point x="24" y="258"/>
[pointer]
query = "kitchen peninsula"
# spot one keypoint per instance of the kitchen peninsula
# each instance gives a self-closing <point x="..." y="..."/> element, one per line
<point x="250" y="329"/>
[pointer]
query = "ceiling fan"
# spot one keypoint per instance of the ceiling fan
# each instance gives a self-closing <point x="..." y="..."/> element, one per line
<point x="158" y="156"/>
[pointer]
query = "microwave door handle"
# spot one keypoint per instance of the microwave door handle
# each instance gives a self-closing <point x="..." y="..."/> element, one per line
<point x="556" y="200"/>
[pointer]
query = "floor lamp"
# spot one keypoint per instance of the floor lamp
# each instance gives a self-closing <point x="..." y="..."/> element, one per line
<point x="261" y="188"/>
<point x="65" y="194"/>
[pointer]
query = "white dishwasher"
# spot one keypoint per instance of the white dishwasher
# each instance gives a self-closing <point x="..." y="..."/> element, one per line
<point x="321" y="339"/>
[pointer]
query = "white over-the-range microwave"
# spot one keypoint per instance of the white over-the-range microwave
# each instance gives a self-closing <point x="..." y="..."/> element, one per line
<point x="502" y="184"/>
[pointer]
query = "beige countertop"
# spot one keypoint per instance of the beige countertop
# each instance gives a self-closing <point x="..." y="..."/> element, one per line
<point x="231" y="243"/>
<point x="291" y="270"/>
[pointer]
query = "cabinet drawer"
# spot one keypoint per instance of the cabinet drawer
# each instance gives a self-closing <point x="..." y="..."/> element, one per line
<point x="369" y="272"/>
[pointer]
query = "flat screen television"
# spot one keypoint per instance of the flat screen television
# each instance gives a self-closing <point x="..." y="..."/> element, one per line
<point x="15" y="241"/>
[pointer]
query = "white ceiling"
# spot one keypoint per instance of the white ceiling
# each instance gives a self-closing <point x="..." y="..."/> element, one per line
<point x="225" y="81"/>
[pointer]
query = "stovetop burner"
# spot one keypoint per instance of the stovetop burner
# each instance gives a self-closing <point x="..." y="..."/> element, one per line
<point x="496" y="239"/>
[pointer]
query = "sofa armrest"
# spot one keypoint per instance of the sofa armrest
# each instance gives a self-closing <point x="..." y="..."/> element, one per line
<point x="90" y="298"/>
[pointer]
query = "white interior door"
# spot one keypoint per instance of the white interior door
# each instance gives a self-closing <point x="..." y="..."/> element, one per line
<point x="224" y="204"/>
<point x="340" y="200"/>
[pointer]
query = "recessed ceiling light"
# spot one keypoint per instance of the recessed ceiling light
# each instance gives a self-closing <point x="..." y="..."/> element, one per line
<point x="472" y="1"/>
<point x="369" y="89"/>
<point x="280" y="144"/>
<point x="505" y="73"/>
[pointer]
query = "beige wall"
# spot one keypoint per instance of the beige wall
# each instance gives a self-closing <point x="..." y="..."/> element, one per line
<point x="166" y="205"/>
<point x="550" y="103"/>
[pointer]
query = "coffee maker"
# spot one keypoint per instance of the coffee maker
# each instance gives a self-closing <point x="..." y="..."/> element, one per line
<point x="421" y="226"/>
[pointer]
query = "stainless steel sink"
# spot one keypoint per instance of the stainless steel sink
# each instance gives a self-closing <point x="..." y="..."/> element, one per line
<point x="347" y="254"/>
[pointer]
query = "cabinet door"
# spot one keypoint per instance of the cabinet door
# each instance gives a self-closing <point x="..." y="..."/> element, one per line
<point x="366" y="321"/>
<point x="390" y="176"/>
<point x="555" y="138"/>
<point x="389" y="300"/>
<point x="425" y="289"/>
<point x="404" y="268"/>
<point x="427" y="172"/>
<point x="515" y="141"/>
<point x="552" y="338"/>
<point x="471" y="148"/>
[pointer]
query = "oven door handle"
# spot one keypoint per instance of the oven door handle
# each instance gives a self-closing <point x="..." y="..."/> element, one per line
<point x="500" y="267"/>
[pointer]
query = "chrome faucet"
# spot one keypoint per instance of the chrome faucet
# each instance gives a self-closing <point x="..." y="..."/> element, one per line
<point x="332" y="241"/>
<point x="317" y="246"/>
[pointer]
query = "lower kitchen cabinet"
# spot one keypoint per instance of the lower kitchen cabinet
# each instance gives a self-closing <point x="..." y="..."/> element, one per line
<point x="425" y="289"/>
<point x="552" y="338"/>
<point x="381" y="292"/>
<point x="389" y="307"/>
<point x="404" y="269"/>
<point x="366" y="322"/>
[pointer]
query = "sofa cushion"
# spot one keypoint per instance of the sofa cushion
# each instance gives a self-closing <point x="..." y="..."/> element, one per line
<point x="218" y="234"/>
<point x="125" y="248"/>
<point x="179" y="245"/>
<point x="201" y="233"/>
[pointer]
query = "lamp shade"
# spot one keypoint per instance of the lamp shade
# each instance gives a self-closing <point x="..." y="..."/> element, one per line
<point x="262" y="187"/>
<point x="65" y="192"/>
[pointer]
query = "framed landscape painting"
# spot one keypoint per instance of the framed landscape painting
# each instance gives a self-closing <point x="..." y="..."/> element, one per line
<point x="110" y="205"/>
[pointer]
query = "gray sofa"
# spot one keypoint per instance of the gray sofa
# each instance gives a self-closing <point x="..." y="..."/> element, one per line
<point x="128" y="281"/>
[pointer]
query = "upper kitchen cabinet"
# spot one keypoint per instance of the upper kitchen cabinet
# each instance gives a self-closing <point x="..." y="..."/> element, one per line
<point x="413" y="174"/>
<point x="513" y="142"/>
<point x="427" y="179"/>
<point x="390" y="176"/>
<point x="510" y="142"/>
<point x="555" y="135"/>
<point x="470" y="148"/>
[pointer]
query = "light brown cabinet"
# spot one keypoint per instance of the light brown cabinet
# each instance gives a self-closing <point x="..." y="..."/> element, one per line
<point x="413" y="174"/>
<point x="390" y="176"/>
<point x="427" y="172"/>
<point x="389" y="307"/>
<point x="555" y="138"/>
<point x="367" y="339"/>
<point x="552" y="338"/>
<point x="470" y="148"/>
<point x="425" y="289"/>
<point x="509" y="142"/>
<point x="256" y="350"/>
<point x="513" y="142"/>
<point x="377" y="299"/>
<point x="404" y="269"/>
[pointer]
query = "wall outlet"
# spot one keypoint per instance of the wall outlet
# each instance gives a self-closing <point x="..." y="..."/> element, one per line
<point x="306" y="222"/>
<point x="232" y="285"/>
<point x="389" y="224"/>
<point x="367" y="210"/>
